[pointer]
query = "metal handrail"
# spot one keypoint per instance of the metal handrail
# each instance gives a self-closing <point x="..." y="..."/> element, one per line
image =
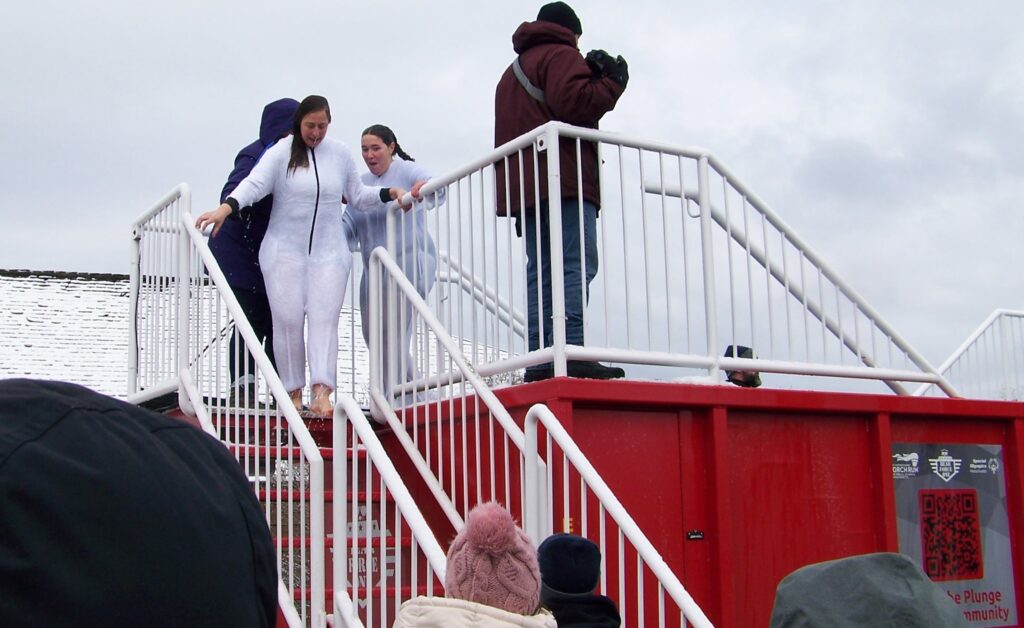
<point x="969" y="343"/>
<point x="179" y="194"/>
<point x="170" y="263"/>
<point x="539" y="519"/>
<point x="546" y="139"/>
<point x="304" y="439"/>
<point x="347" y="412"/>
<point x="891" y="377"/>
<point x="482" y="294"/>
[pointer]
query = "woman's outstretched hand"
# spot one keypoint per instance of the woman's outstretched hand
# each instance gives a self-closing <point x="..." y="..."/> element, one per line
<point x="396" y="195"/>
<point x="215" y="218"/>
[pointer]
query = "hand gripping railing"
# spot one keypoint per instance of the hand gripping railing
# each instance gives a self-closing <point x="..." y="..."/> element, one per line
<point x="620" y="545"/>
<point x="990" y="362"/>
<point x="391" y="547"/>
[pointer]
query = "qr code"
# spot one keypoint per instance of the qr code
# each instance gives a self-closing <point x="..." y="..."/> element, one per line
<point x="951" y="534"/>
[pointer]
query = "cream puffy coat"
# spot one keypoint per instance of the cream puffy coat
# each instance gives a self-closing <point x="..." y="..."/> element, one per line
<point x="443" y="612"/>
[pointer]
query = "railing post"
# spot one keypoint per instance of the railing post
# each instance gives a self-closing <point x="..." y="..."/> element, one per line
<point x="708" y="259"/>
<point x="184" y="279"/>
<point x="340" y="479"/>
<point x="375" y="362"/>
<point x="317" y="562"/>
<point x="135" y="277"/>
<point x="555" y="238"/>
<point x="1004" y="354"/>
<point x="391" y="223"/>
<point x="536" y="515"/>
<point x="390" y="340"/>
<point x="532" y="505"/>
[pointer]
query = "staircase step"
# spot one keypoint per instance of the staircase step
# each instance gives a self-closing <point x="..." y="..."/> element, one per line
<point x="362" y="497"/>
<point x="247" y="420"/>
<point x="284" y="495"/>
<point x="406" y="592"/>
<point x="276" y="451"/>
<point x="359" y="542"/>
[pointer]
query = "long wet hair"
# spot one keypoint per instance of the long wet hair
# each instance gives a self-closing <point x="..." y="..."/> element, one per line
<point x="388" y="137"/>
<point x="309" y="104"/>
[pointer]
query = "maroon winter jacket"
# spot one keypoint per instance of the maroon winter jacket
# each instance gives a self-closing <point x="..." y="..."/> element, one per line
<point x="550" y="59"/>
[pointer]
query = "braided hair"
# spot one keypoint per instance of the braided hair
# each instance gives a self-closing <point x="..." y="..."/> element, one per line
<point x="388" y="137"/>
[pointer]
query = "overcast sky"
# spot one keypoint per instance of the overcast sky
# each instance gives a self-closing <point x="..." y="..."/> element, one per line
<point x="888" y="135"/>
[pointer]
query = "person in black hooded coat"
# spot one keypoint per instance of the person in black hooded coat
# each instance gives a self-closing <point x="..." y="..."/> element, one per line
<point x="570" y="568"/>
<point x="237" y="245"/>
<point x="113" y="515"/>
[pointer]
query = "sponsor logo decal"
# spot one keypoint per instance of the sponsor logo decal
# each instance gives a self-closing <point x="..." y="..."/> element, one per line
<point x="905" y="465"/>
<point x="945" y="466"/>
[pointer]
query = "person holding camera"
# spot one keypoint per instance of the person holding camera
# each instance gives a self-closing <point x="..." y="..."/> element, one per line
<point x="551" y="80"/>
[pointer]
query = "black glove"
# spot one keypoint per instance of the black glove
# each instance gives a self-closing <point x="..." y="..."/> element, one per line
<point x="621" y="72"/>
<point x="602" y="64"/>
<point x="599" y="62"/>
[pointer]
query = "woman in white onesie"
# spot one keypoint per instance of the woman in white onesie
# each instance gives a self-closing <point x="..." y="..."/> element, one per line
<point x="305" y="256"/>
<point x="415" y="252"/>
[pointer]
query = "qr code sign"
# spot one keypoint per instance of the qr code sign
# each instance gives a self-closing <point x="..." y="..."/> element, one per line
<point x="951" y="534"/>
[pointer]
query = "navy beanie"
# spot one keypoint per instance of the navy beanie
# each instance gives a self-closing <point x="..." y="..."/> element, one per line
<point x="569" y="564"/>
<point x="113" y="515"/>
<point x="562" y="14"/>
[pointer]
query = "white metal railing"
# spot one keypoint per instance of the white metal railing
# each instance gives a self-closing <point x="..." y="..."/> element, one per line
<point x="384" y="551"/>
<point x="691" y="262"/>
<point x="468" y="450"/>
<point x="153" y="302"/>
<point x="990" y="362"/>
<point x="184" y="317"/>
<point x="258" y="423"/>
<point x="461" y="439"/>
<point x="154" y="308"/>
<point x="647" y="591"/>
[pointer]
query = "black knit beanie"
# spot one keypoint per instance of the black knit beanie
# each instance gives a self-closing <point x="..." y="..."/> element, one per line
<point x="569" y="564"/>
<point x="562" y="14"/>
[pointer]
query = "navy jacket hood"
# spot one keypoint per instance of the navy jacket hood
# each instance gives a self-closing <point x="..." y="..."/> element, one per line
<point x="278" y="118"/>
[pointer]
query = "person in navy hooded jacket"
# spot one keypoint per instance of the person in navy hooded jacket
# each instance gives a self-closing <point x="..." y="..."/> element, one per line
<point x="237" y="246"/>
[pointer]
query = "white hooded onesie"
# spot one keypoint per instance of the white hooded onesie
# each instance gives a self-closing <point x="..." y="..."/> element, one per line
<point x="305" y="256"/>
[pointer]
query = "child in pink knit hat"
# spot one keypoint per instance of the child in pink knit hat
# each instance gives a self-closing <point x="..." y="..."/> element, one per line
<point x="492" y="579"/>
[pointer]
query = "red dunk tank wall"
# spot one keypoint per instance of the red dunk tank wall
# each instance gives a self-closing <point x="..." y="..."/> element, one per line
<point x="738" y="487"/>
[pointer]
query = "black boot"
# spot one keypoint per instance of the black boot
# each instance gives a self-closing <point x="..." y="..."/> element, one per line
<point x="536" y="375"/>
<point x="594" y="370"/>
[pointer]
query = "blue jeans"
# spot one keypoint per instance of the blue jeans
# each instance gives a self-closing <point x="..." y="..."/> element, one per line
<point x="575" y="264"/>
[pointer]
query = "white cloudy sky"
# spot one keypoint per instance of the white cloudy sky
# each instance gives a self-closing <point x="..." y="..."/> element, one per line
<point x="888" y="134"/>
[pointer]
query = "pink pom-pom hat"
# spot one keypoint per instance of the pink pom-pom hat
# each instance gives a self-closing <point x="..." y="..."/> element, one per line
<point x="493" y="562"/>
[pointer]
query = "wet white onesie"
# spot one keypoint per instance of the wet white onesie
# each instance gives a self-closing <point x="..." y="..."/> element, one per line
<point x="415" y="254"/>
<point x="305" y="256"/>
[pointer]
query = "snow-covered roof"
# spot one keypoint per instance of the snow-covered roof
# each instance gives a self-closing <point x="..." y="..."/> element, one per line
<point x="73" y="327"/>
<point x="67" y="326"/>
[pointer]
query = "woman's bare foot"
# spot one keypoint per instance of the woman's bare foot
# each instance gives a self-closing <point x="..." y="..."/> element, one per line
<point x="322" y="406"/>
<point x="296" y="397"/>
